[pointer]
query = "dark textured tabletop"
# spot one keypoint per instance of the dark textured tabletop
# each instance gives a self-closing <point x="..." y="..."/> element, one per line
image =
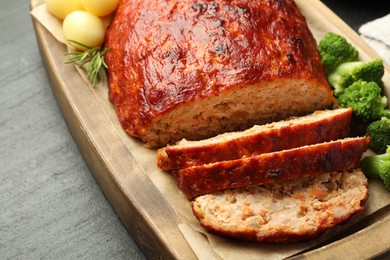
<point x="50" y="205"/>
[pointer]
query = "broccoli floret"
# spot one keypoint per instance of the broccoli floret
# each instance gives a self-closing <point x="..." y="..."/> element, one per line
<point x="379" y="131"/>
<point x="335" y="50"/>
<point x="377" y="167"/>
<point x="347" y="73"/>
<point x="365" y="100"/>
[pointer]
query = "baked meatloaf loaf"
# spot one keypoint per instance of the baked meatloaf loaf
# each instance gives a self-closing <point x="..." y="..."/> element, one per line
<point x="193" y="69"/>
<point x="321" y="126"/>
<point x="284" y="212"/>
<point x="310" y="160"/>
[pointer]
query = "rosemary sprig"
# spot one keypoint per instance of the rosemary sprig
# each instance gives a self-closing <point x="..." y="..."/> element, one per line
<point x="91" y="60"/>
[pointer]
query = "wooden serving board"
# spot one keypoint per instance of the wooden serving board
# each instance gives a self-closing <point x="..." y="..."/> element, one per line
<point x="149" y="215"/>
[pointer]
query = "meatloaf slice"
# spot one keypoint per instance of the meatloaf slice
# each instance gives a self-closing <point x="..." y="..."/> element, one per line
<point x="272" y="167"/>
<point x="321" y="126"/>
<point x="290" y="211"/>
<point x="194" y="69"/>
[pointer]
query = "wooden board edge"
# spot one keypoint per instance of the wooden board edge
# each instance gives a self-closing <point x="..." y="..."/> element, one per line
<point x="102" y="175"/>
<point x="139" y="223"/>
<point x="346" y="29"/>
<point x="354" y="246"/>
<point x="368" y="243"/>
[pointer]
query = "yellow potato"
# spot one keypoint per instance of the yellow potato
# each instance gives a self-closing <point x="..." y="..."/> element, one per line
<point x="61" y="8"/>
<point x="100" y="7"/>
<point x="85" y="28"/>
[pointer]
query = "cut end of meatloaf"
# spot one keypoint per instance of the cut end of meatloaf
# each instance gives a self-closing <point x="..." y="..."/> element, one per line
<point x="301" y="162"/>
<point x="237" y="109"/>
<point x="286" y="212"/>
<point x="180" y="69"/>
<point x="320" y="126"/>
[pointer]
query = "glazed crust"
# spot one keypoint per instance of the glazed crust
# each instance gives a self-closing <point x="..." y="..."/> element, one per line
<point x="273" y="167"/>
<point x="287" y="212"/>
<point x="166" y="55"/>
<point x="318" y="127"/>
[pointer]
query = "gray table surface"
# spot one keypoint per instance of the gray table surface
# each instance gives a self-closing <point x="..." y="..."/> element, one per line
<point x="50" y="205"/>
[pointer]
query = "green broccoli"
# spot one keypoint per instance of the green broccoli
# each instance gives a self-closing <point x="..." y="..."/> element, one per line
<point x="335" y="50"/>
<point x="347" y="73"/>
<point x="377" y="167"/>
<point x="366" y="101"/>
<point x="379" y="131"/>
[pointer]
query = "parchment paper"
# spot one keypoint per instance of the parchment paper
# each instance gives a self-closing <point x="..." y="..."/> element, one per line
<point x="205" y="245"/>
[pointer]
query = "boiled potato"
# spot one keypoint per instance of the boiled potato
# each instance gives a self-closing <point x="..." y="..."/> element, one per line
<point x="85" y="28"/>
<point x="100" y="7"/>
<point x="61" y="8"/>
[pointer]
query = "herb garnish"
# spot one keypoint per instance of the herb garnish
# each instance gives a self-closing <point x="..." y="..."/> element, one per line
<point x="92" y="58"/>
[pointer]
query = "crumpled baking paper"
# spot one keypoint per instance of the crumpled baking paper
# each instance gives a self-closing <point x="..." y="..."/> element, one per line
<point x="205" y="245"/>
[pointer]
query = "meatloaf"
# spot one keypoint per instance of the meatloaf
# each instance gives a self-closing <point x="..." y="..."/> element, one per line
<point x="194" y="69"/>
<point x="272" y="167"/>
<point x="321" y="126"/>
<point x="284" y="212"/>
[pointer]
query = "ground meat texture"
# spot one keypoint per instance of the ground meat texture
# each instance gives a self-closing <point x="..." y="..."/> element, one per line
<point x="286" y="212"/>
<point x="194" y="69"/>
<point x="318" y="127"/>
<point x="272" y="167"/>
